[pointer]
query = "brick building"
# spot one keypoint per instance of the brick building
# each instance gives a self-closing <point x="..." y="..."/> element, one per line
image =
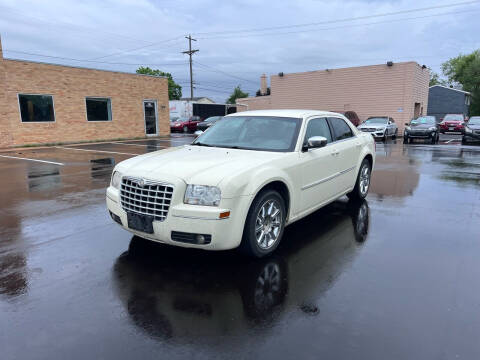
<point x="45" y="103"/>
<point x="398" y="90"/>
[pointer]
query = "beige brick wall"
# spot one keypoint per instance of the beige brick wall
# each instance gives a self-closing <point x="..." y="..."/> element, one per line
<point x="367" y="90"/>
<point x="69" y="87"/>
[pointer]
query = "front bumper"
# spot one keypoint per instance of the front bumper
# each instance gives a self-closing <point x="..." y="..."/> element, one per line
<point x="420" y="135"/>
<point x="473" y="135"/>
<point x="376" y="134"/>
<point x="453" y="128"/>
<point x="225" y="233"/>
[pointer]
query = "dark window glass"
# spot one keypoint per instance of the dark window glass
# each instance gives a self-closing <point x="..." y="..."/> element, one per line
<point x="36" y="108"/>
<point x="340" y="129"/>
<point x="99" y="109"/>
<point x="318" y="127"/>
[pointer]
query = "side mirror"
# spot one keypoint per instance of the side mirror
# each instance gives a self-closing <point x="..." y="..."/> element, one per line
<point x="315" y="142"/>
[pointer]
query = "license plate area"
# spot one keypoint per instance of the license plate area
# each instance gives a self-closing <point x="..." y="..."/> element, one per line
<point x="139" y="222"/>
<point x="450" y="128"/>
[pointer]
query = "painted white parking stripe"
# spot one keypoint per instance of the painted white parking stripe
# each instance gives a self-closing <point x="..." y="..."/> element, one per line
<point x="28" y="159"/>
<point x="97" y="151"/>
<point x="122" y="143"/>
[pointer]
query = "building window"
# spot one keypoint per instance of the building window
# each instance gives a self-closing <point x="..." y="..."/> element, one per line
<point x="36" y="108"/>
<point x="98" y="109"/>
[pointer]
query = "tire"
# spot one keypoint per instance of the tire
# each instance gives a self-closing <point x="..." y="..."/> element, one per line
<point x="433" y="140"/>
<point x="384" y="138"/>
<point x="394" y="136"/>
<point x="185" y="129"/>
<point x="252" y="231"/>
<point x="405" y="140"/>
<point x="360" y="190"/>
<point x="464" y="140"/>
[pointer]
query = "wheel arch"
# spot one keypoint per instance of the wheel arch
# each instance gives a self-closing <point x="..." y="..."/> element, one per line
<point x="279" y="186"/>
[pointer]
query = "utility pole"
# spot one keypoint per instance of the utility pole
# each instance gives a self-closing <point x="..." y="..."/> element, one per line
<point x="190" y="52"/>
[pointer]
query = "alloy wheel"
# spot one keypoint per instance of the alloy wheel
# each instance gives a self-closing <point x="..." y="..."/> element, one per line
<point x="268" y="224"/>
<point x="364" y="179"/>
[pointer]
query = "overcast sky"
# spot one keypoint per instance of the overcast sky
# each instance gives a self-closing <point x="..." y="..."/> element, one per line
<point x="123" y="34"/>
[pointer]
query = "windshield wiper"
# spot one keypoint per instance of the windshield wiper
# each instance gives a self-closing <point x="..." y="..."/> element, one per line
<point x="201" y="144"/>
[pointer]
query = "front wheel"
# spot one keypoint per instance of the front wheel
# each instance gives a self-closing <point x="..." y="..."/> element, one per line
<point x="362" y="185"/>
<point x="464" y="140"/>
<point x="394" y="136"/>
<point x="264" y="224"/>
<point x="185" y="129"/>
<point x="405" y="139"/>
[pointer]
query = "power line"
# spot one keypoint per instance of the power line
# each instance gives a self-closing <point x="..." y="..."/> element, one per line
<point x="137" y="48"/>
<point x="91" y="61"/>
<point x="211" y="68"/>
<point x="340" y="20"/>
<point x="335" y="27"/>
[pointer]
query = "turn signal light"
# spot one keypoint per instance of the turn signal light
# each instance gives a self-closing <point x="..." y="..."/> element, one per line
<point x="224" y="215"/>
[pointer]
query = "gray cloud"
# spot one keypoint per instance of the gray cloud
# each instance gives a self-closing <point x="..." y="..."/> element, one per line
<point x="92" y="29"/>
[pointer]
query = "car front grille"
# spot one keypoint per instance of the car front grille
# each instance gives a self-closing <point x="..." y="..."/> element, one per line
<point x="368" y="129"/>
<point x="146" y="197"/>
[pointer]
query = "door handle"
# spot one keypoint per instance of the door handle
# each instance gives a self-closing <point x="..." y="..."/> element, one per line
<point x="335" y="152"/>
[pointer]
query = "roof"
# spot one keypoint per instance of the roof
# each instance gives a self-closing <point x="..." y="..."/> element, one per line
<point x="196" y="98"/>
<point x="449" y="88"/>
<point x="295" y="113"/>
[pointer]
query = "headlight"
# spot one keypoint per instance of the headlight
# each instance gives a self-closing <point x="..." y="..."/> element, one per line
<point x="468" y="130"/>
<point x="116" y="179"/>
<point x="202" y="195"/>
<point x="433" y="128"/>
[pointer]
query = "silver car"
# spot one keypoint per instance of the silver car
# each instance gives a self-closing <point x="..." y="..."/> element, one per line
<point x="380" y="127"/>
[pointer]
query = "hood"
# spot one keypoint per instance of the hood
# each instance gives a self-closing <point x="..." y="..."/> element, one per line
<point x="195" y="164"/>
<point x="474" y="127"/>
<point x="452" y="121"/>
<point x="376" y="126"/>
<point x="176" y="123"/>
<point x="422" y="126"/>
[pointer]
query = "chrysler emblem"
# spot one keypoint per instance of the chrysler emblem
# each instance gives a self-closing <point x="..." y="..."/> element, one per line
<point x="141" y="183"/>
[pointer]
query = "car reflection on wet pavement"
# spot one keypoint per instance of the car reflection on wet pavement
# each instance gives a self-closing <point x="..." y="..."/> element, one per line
<point x="392" y="277"/>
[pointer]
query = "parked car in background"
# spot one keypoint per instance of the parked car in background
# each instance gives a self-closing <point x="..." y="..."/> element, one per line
<point x="185" y="124"/>
<point x="424" y="127"/>
<point x="472" y="130"/>
<point x="242" y="181"/>
<point x="452" y="123"/>
<point x="204" y="125"/>
<point x="350" y="115"/>
<point x="380" y="127"/>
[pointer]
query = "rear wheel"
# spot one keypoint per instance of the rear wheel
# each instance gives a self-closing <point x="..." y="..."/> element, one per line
<point x="264" y="224"/>
<point x="362" y="185"/>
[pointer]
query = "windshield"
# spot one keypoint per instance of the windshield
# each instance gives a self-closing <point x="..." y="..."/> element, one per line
<point x="377" y="120"/>
<point x="213" y="118"/>
<point x="424" y="120"/>
<point x="265" y="133"/>
<point x="453" y="118"/>
<point x="474" y="120"/>
<point x="182" y="119"/>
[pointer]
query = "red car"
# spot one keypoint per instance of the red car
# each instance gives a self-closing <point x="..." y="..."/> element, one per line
<point x="452" y="122"/>
<point x="185" y="124"/>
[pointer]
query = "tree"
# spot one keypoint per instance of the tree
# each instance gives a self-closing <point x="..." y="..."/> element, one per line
<point x="258" y="93"/>
<point x="465" y="70"/>
<point x="435" y="79"/>
<point x="237" y="94"/>
<point x="174" y="90"/>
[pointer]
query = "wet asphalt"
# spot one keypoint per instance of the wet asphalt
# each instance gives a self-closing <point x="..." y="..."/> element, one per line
<point x="393" y="277"/>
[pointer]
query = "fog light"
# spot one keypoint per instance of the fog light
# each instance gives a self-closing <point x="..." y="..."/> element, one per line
<point x="200" y="239"/>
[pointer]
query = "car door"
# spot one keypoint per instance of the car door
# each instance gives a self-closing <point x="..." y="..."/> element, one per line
<point x="347" y="146"/>
<point x="317" y="167"/>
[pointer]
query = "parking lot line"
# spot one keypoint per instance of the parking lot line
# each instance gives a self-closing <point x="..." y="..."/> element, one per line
<point x="98" y="151"/>
<point x="28" y="159"/>
<point x="143" y="145"/>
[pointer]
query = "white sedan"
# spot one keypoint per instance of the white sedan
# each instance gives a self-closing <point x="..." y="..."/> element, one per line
<point x="243" y="180"/>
